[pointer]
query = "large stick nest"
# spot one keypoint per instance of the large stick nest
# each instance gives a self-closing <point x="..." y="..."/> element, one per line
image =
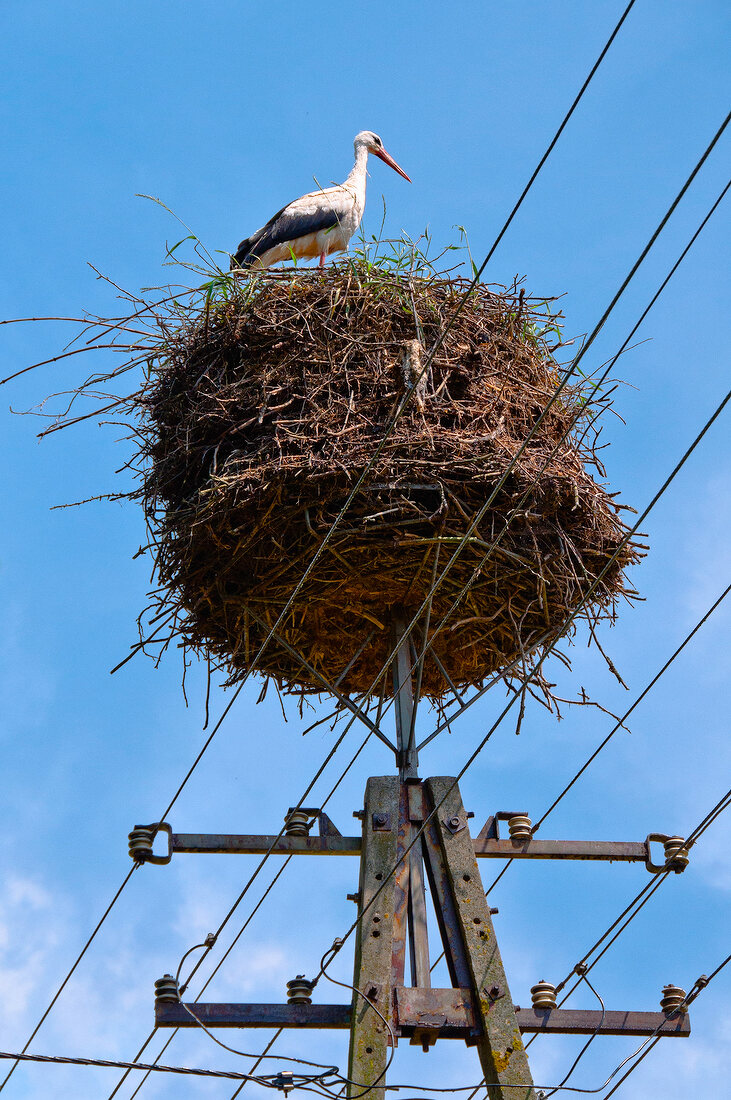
<point x="260" y="413"/>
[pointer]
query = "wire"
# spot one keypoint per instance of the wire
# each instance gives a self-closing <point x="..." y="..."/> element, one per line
<point x="230" y="947"/>
<point x="588" y="1042"/>
<point x="476" y="519"/>
<point x="251" y="915"/>
<point x="620" y="724"/>
<point x="270" y="1081"/>
<point x="267" y="1082"/>
<point x="596" y="386"/>
<point x="255" y="1065"/>
<point x="65" y="981"/>
<point x="699" y="985"/>
<point x="723" y="804"/>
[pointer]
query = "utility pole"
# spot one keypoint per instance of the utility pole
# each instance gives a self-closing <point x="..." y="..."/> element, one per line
<point x="413" y="830"/>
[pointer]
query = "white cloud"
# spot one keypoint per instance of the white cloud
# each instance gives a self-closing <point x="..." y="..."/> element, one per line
<point x="25" y="904"/>
<point x="709" y="547"/>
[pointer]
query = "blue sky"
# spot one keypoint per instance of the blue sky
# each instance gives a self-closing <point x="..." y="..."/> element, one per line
<point x="226" y="110"/>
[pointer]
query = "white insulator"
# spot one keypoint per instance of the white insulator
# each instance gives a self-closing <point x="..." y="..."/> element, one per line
<point x="140" y="843"/>
<point x="672" y="999"/>
<point x="297" y="823"/>
<point x="676" y="854"/>
<point x="519" y="827"/>
<point x="543" y="995"/>
<point x="166" y="989"/>
<point x="299" y="991"/>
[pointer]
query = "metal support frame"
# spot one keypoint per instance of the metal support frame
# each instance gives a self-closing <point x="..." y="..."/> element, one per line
<point x="613" y="851"/>
<point x="412" y="1006"/>
<point x="412" y="828"/>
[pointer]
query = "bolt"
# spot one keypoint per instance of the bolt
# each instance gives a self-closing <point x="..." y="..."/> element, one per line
<point x="379" y="819"/>
<point x="454" y="822"/>
<point x="360" y="814"/>
<point x="494" y="911"/>
<point x="354" y="897"/>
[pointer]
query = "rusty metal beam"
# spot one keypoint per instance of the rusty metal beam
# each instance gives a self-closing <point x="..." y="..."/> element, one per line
<point x="169" y="1014"/>
<point x="570" y="1021"/>
<point x="253" y="844"/>
<point x="626" y="851"/>
<point x="416" y="1006"/>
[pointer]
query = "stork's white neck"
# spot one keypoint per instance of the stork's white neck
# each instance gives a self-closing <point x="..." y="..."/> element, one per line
<point x="357" y="177"/>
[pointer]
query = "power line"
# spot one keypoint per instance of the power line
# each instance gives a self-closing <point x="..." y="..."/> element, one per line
<point x="620" y="722"/>
<point x="65" y="981"/>
<point x="271" y="1080"/>
<point x="268" y="1081"/>
<point x="483" y="509"/>
<point x="641" y="899"/>
<point x="700" y="984"/>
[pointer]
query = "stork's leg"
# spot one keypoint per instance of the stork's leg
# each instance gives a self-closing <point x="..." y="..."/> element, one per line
<point x="322" y="259"/>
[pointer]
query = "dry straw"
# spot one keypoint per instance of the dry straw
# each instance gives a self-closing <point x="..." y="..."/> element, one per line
<point x="261" y="409"/>
<point x="263" y="399"/>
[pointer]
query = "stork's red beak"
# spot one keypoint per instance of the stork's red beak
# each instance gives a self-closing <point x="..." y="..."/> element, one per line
<point x="388" y="159"/>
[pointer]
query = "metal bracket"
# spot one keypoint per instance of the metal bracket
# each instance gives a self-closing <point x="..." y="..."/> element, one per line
<point x="324" y="824"/>
<point x="676" y="854"/>
<point x="491" y="830"/>
<point x="142" y="838"/>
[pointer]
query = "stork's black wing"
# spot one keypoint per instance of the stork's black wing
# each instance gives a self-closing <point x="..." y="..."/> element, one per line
<point x="282" y="227"/>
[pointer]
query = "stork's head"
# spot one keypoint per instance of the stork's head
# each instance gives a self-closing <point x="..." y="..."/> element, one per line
<point x="374" y="145"/>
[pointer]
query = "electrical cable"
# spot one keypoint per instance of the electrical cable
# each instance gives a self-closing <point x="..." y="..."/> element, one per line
<point x="271" y="1080"/>
<point x="554" y="396"/>
<point x="699" y="985"/>
<point x="620" y="723"/>
<point x="595" y="387"/>
<point x="65" y="981"/>
<point x="586" y="1045"/>
<point x="640" y="900"/>
<point x="267" y="1082"/>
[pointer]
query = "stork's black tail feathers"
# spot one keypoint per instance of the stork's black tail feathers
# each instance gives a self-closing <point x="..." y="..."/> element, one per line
<point x="245" y="255"/>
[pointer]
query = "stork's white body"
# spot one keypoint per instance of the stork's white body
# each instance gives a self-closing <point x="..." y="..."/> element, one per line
<point x="319" y="223"/>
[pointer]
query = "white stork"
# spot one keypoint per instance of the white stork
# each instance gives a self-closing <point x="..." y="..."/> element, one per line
<point x="320" y="222"/>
